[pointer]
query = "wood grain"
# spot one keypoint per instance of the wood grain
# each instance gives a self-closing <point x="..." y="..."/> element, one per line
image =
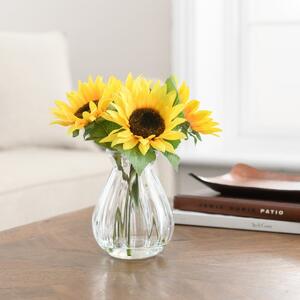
<point x="59" y="259"/>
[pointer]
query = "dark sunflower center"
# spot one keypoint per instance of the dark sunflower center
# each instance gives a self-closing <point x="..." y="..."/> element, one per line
<point x="145" y="122"/>
<point x="84" y="108"/>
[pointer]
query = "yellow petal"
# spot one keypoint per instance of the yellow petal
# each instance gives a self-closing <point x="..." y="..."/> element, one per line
<point x="171" y="97"/>
<point x="74" y="100"/>
<point x="113" y="116"/>
<point x="93" y="107"/>
<point x="150" y="137"/>
<point x="130" y="144"/>
<point x="173" y="135"/>
<point x="144" y="148"/>
<point x="176" y="110"/>
<point x="85" y="91"/>
<point x="110" y="137"/>
<point x="118" y="141"/>
<point x="59" y="114"/>
<point x="63" y="123"/>
<point x="85" y="115"/>
<point x="158" y="145"/>
<point x="176" y="122"/>
<point x="62" y="105"/>
<point x="125" y="134"/>
<point x="169" y="147"/>
<point x="129" y="81"/>
<point x="184" y="93"/>
<point x="192" y="105"/>
<point x="143" y="141"/>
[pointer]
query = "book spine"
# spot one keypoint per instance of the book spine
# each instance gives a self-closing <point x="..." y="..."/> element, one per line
<point x="231" y="222"/>
<point x="240" y="207"/>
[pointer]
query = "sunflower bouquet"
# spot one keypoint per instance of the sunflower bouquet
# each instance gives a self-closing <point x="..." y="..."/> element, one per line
<point x="134" y="121"/>
<point x="137" y="118"/>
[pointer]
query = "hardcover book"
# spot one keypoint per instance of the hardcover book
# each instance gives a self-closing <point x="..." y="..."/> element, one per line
<point x="222" y="221"/>
<point x="254" y="208"/>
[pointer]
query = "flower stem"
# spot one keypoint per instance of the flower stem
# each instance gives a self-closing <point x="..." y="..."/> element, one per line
<point x="128" y="224"/>
<point x="132" y="198"/>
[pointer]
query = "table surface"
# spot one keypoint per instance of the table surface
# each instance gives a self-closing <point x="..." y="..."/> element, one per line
<point x="59" y="259"/>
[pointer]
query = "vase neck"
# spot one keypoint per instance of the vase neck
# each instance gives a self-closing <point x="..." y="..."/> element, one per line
<point x="119" y="161"/>
<point x="122" y="163"/>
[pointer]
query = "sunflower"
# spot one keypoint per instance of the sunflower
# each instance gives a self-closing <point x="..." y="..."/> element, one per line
<point x="86" y="104"/>
<point x="147" y="117"/>
<point x="199" y="120"/>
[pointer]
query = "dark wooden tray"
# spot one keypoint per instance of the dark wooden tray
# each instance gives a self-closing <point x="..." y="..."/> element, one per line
<point x="247" y="181"/>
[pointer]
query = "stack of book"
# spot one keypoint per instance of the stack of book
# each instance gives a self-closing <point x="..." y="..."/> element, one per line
<point x="214" y="209"/>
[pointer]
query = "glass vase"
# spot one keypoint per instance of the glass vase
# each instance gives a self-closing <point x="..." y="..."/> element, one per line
<point x="133" y="218"/>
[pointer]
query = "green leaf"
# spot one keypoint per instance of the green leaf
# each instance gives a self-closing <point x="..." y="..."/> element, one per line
<point x="137" y="159"/>
<point x="172" y="86"/>
<point x="195" y="135"/>
<point x="174" y="143"/>
<point x="184" y="128"/>
<point x="135" y="190"/>
<point x="173" y="159"/>
<point x="75" y="133"/>
<point x="99" y="129"/>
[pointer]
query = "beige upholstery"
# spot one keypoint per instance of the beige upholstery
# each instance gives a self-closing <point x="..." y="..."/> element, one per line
<point x="39" y="183"/>
<point x="34" y="71"/>
<point x="23" y="168"/>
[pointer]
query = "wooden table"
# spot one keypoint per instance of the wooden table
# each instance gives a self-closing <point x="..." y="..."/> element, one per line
<point x="59" y="259"/>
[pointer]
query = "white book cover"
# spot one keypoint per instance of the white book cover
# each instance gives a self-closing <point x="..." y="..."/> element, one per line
<point x="213" y="220"/>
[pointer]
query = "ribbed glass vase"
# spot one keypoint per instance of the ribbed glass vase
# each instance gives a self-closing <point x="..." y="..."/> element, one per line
<point x="133" y="218"/>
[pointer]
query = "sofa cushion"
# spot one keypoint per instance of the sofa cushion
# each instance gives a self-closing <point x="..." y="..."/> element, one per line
<point x="34" y="72"/>
<point x="26" y="167"/>
<point x="40" y="183"/>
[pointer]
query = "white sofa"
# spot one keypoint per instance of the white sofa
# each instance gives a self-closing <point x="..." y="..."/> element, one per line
<point x="44" y="172"/>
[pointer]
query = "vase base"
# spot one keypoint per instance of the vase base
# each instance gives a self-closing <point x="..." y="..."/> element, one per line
<point x="134" y="254"/>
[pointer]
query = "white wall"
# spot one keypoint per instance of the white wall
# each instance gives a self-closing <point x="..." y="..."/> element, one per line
<point x="105" y="36"/>
<point x="245" y="68"/>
